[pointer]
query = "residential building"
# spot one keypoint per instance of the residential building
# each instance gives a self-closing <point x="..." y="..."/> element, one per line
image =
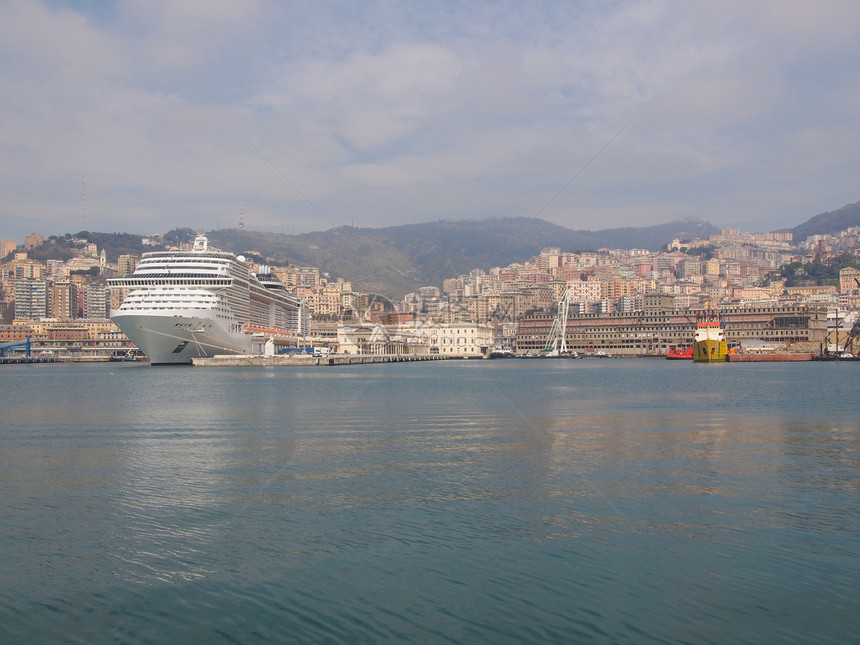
<point x="126" y="264"/>
<point x="849" y="279"/>
<point x="64" y="300"/>
<point x="31" y="298"/>
<point x="96" y="300"/>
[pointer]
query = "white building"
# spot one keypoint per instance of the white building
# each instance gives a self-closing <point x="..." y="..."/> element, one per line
<point x="455" y="339"/>
<point x="460" y="339"/>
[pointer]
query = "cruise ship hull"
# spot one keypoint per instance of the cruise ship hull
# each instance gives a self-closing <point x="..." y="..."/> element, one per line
<point x="178" y="337"/>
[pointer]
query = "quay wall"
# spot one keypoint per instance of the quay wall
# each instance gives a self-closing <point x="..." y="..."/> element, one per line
<point x="333" y="359"/>
<point x="17" y="360"/>
<point x="769" y="358"/>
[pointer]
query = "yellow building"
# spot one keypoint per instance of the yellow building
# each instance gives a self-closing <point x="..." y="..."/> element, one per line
<point x="849" y="279"/>
<point x="808" y="291"/>
<point x="6" y="247"/>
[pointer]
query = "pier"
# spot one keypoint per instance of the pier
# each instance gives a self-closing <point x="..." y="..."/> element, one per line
<point x="307" y="360"/>
<point x="18" y="360"/>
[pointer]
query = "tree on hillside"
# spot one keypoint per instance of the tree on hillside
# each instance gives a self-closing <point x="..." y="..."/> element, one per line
<point x="179" y="236"/>
<point x="816" y="272"/>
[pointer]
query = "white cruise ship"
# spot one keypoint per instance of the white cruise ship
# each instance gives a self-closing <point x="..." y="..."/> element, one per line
<point x="188" y="304"/>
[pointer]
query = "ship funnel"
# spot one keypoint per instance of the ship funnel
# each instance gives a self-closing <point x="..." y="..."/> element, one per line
<point x="201" y="243"/>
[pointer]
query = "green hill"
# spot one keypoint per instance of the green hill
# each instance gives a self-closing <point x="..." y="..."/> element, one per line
<point x="399" y="259"/>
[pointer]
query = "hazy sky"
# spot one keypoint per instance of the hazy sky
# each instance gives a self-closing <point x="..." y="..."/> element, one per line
<point x="308" y="115"/>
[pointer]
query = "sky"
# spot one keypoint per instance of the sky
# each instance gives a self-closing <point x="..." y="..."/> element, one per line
<point x="141" y="116"/>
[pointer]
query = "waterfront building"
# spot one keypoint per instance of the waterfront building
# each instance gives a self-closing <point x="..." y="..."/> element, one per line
<point x="67" y="334"/>
<point x="11" y="333"/>
<point x="461" y="339"/>
<point x="381" y="339"/>
<point x="654" y="332"/>
<point x="321" y="331"/>
<point x="93" y="337"/>
<point x="465" y="340"/>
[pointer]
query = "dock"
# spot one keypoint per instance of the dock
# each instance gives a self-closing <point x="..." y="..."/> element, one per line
<point x="18" y="360"/>
<point x="307" y="360"/>
<point x="769" y="357"/>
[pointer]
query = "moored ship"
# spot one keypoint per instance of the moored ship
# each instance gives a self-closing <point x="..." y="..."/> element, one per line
<point x="678" y="354"/>
<point x="200" y="303"/>
<point x="709" y="342"/>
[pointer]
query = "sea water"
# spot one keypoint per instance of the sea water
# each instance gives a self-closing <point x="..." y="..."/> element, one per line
<point x="518" y="501"/>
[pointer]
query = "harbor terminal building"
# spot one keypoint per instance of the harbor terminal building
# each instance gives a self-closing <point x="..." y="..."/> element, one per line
<point x="657" y="329"/>
<point x="458" y="340"/>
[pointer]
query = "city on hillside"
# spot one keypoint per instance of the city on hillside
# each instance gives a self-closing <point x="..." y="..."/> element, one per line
<point x="768" y="288"/>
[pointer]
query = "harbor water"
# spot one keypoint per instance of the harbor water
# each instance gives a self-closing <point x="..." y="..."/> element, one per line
<point x="517" y="501"/>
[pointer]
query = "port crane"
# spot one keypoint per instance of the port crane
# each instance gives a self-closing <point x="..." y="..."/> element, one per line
<point x="849" y="342"/>
<point x="556" y="344"/>
<point x="17" y="345"/>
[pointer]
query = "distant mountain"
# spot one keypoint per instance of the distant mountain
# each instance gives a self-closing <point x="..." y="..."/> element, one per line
<point x="399" y="259"/>
<point x="830" y="222"/>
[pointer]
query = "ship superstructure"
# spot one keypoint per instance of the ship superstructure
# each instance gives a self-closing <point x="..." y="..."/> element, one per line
<point x="203" y="302"/>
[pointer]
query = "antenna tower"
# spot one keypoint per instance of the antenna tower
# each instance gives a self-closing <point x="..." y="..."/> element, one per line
<point x="241" y="218"/>
<point x="83" y="202"/>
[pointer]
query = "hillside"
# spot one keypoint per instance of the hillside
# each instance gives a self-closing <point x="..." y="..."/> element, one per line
<point x="829" y="222"/>
<point x="399" y="259"/>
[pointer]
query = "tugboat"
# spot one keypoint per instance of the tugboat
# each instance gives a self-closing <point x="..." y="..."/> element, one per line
<point x="678" y="354"/>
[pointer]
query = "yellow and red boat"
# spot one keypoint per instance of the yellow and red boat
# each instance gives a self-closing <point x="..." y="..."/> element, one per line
<point x="709" y="343"/>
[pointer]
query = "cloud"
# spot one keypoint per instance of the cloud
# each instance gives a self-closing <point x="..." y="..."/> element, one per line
<point x="387" y="112"/>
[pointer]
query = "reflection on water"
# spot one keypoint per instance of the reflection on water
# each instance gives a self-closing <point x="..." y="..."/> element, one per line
<point x="502" y="501"/>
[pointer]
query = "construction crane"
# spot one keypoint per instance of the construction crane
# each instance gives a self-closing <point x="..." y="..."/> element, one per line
<point x="556" y="344"/>
<point x="17" y="345"/>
